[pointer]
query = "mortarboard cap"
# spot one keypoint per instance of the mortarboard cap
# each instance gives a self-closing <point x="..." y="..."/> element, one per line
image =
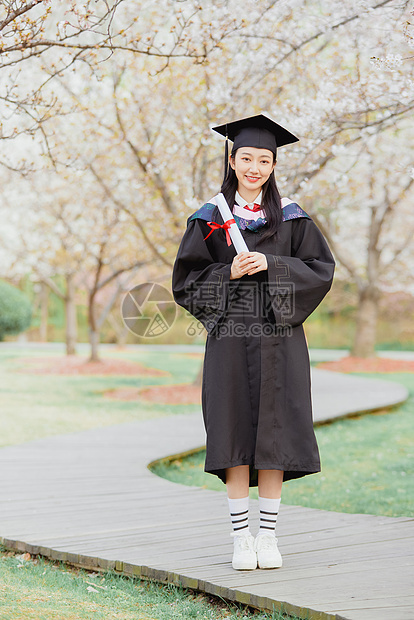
<point x="256" y="131"/>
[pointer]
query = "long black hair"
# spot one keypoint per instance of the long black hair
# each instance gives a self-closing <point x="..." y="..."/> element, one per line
<point x="271" y="201"/>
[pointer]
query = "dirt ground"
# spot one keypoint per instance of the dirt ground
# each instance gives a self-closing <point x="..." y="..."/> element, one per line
<point x="180" y="394"/>
<point x="184" y="393"/>
<point x="75" y="365"/>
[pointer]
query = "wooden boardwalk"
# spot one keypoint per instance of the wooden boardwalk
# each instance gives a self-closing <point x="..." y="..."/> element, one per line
<point x="89" y="498"/>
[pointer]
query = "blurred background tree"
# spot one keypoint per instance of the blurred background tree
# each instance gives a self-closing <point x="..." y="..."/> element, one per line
<point x="15" y="310"/>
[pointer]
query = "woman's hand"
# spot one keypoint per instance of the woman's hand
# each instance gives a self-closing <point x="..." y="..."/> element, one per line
<point x="247" y="263"/>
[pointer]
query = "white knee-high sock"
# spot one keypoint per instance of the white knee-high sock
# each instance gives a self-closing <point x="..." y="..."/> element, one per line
<point x="269" y="509"/>
<point x="239" y="515"/>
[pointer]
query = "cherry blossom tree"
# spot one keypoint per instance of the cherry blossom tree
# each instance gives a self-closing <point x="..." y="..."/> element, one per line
<point x="73" y="231"/>
<point x="371" y="228"/>
<point x="138" y="124"/>
<point x="44" y="39"/>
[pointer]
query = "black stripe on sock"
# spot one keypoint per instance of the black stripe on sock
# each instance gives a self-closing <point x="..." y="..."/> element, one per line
<point x="239" y="520"/>
<point x="236" y="514"/>
<point x="268" y="520"/>
<point x="265" y="512"/>
<point x="236" y="529"/>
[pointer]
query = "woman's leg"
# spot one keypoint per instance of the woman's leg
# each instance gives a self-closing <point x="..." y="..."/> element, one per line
<point x="270" y="483"/>
<point x="270" y="490"/>
<point x="237" y="481"/>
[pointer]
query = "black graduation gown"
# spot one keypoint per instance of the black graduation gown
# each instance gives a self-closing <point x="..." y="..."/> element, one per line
<point x="256" y="391"/>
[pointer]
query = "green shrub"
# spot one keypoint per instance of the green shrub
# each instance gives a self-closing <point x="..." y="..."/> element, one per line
<point x="15" y="310"/>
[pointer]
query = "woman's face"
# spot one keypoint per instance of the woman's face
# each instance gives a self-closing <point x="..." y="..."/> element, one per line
<point x="252" y="167"/>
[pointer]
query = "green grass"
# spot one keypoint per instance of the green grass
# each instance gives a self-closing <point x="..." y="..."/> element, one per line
<point x="367" y="464"/>
<point x="36" y="589"/>
<point x="34" y="405"/>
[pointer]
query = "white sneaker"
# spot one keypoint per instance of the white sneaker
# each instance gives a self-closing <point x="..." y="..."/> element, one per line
<point x="244" y="556"/>
<point x="268" y="555"/>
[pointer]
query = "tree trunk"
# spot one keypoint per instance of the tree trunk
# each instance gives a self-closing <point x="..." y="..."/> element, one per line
<point x="121" y="331"/>
<point x="71" y="321"/>
<point x="94" y="331"/>
<point x="122" y="337"/>
<point x="44" y="311"/>
<point x="366" y="324"/>
<point x="94" y="342"/>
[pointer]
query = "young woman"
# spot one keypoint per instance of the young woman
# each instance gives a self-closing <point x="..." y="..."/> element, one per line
<point x="256" y="394"/>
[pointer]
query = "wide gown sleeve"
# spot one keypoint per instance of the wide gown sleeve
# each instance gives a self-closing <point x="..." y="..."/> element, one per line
<point x="200" y="284"/>
<point x="297" y="284"/>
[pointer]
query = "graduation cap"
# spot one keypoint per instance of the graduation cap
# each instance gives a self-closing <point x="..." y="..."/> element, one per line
<point x="256" y="131"/>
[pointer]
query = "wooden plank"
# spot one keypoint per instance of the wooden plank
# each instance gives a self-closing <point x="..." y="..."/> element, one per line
<point x="214" y="528"/>
<point x="186" y="559"/>
<point x="395" y="572"/>
<point x="381" y="613"/>
<point x="314" y="593"/>
<point x="380" y="604"/>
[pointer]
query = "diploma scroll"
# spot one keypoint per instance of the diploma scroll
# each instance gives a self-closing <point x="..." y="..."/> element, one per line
<point x="235" y="234"/>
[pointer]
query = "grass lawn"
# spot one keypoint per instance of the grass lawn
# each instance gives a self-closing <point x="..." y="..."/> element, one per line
<point x="367" y="464"/>
<point x="35" y="405"/>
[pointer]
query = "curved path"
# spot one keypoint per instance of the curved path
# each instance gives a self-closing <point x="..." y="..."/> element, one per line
<point x="88" y="498"/>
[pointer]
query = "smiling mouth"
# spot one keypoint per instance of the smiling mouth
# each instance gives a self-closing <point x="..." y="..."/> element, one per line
<point x="253" y="179"/>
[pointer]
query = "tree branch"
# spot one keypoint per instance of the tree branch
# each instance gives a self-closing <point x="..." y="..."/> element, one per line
<point x="24" y="9"/>
<point x="118" y="272"/>
<point x="136" y="221"/>
<point x="119" y="288"/>
<point x="344" y="259"/>
<point x="53" y="287"/>
<point x="158" y="181"/>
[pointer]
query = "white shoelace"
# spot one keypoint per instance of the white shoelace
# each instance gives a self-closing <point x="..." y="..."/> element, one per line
<point x="245" y="541"/>
<point x="266" y="542"/>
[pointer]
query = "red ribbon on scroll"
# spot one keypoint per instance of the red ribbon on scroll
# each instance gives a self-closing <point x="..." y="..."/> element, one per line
<point x="214" y="226"/>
